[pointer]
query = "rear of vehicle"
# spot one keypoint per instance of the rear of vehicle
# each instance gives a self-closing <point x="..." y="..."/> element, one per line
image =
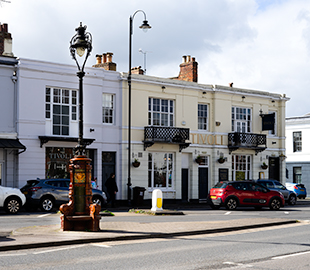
<point x="217" y="194"/>
<point x="299" y="189"/>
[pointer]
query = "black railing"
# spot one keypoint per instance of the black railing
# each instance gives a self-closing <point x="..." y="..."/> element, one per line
<point x="257" y="142"/>
<point x="175" y="135"/>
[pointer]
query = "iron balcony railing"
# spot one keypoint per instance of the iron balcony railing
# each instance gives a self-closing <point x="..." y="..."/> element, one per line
<point x="174" y="135"/>
<point x="257" y="142"/>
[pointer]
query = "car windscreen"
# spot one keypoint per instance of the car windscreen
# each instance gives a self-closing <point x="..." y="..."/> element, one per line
<point x="220" y="185"/>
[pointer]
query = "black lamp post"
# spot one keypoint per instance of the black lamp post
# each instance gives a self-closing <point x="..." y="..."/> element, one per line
<point x="145" y="26"/>
<point x="80" y="192"/>
<point x="80" y="43"/>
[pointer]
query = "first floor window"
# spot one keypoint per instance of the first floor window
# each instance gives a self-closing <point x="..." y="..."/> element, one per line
<point x="241" y="167"/>
<point x="108" y="109"/>
<point x="241" y="119"/>
<point x="161" y="112"/>
<point x="160" y="170"/>
<point x="203" y="116"/>
<point x="297" y="142"/>
<point x="61" y="108"/>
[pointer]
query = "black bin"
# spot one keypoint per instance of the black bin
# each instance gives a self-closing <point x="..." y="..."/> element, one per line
<point x="138" y="195"/>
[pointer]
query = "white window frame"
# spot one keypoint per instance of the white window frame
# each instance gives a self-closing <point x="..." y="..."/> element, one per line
<point x="62" y="97"/>
<point x="168" y="162"/>
<point x="205" y="118"/>
<point x="158" y="115"/>
<point x="242" y="164"/>
<point x="108" y="106"/>
<point x="241" y="119"/>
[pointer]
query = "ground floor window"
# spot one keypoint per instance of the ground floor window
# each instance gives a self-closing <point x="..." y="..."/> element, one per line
<point x="161" y="170"/>
<point x="241" y="167"/>
<point x="297" y="175"/>
<point x="57" y="160"/>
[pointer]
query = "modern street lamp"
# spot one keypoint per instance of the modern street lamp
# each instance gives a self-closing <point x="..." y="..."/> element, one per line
<point x="144" y="58"/>
<point x="80" y="43"/>
<point x="145" y="26"/>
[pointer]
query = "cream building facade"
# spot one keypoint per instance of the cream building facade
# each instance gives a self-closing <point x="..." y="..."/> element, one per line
<point x="187" y="136"/>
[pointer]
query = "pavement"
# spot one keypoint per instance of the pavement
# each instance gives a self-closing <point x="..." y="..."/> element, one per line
<point x="113" y="230"/>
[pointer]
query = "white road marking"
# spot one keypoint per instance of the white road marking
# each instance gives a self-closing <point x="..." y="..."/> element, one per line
<point x="101" y="245"/>
<point x="286" y="213"/>
<point x="290" y="255"/>
<point x="15" y="254"/>
<point x="238" y="264"/>
<point x="56" y="249"/>
<point x="227" y="213"/>
<point x="45" y="215"/>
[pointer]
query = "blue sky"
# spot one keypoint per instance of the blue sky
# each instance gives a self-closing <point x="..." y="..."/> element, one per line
<point x="257" y="44"/>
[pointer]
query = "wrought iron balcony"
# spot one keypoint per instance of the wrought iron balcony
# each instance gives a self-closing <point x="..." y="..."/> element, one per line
<point x="257" y="142"/>
<point x="173" y="135"/>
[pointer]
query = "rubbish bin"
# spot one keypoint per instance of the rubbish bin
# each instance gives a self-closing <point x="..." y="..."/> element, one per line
<point x="138" y="194"/>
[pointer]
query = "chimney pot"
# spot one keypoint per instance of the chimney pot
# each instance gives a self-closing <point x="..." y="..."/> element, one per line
<point x="109" y="57"/>
<point x="98" y="58"/>
<point x="184" y="58"/>
<point x="104" y="58"/>
<point x="188" y="59"/>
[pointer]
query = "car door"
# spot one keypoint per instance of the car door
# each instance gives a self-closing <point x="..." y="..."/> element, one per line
<point x="260" y="194"/>
<point x="244" y="193"/>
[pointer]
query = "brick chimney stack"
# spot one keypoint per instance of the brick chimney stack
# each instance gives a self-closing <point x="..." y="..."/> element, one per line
<point x="5" y="41"/>
<point x="105" y="61"/>
<point x="137" y="70"/>
<point x="188" y="69"/>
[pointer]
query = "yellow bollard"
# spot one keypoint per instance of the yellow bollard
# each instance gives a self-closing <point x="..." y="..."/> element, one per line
<point x="157" y="200"/>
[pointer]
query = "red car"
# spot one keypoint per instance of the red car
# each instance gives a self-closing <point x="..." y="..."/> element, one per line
<point x="232" y="194"/>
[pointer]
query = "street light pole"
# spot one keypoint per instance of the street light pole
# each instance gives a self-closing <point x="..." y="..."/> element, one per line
<point x="79" y="43"/>
<point x="145" y="26"/>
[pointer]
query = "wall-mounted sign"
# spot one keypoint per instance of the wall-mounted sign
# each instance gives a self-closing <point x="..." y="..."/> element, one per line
<point x="209" y="139"/>
<point x="223" y="174"/>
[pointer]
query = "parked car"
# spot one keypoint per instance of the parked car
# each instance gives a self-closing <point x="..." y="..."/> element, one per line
<point x="289" y="196"/>
<point x="47" y="193"/>
<point x="11" y="199"/>
<point x="299" y="189"/>
<point x="232" y="194"/>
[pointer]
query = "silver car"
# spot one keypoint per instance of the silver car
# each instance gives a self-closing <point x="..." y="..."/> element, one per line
<point x="47" y="193"/>
<point x="289" y="196"/>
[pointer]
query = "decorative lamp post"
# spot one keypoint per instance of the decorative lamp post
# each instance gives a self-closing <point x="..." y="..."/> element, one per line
<point x="80" y="43"/>
<point x="80" y="214"/>
<point x="145" y="26"/>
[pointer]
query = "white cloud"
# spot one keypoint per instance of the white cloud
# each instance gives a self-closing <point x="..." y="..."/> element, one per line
<point x="256" y="44"/>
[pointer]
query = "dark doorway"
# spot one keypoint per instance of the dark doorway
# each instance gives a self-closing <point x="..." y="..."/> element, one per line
<point x="184" y="185"/>
<point x="108" y="166"/>
<point x="203" y="184"/>
<point x="274" y="168"/>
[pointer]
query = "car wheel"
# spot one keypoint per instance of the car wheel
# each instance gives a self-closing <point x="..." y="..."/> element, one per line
<point x="47" y="204"/>
<point x="231" y="204"/>
<point x="12" y="205"/>
<point x="292" y="200"/>
<point x="97" y="200"/>
<point x="275" y="204"/>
